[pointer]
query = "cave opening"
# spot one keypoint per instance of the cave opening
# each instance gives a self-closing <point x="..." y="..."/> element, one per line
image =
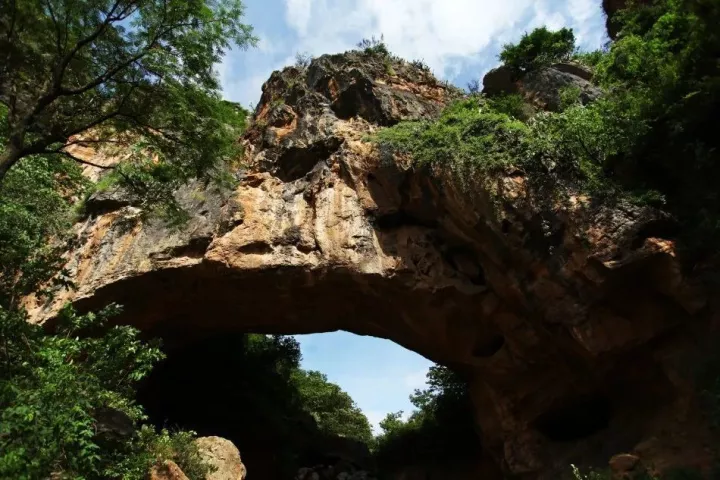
<point x="227" y="385"/>
<point x="576" y="418"/>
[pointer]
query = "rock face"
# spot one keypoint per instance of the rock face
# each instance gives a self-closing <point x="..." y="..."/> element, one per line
<point x="223" y="456"/>
<point x="167" y="471"/>
<point x="542" y="88"/>
<point x="572" y="320"/>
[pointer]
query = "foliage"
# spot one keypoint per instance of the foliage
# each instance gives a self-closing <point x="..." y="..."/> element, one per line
<point x="467" y="137"/>
<point x="389" y="70"/>
<point x="439" y="432"/>
<point x="52" y="385"/>
<point x="116" y="74"/>
<point x="420" y="65"/>
<point x="374" y="46"/>
<point x="34" y="207"/>
<point x="51" y="388"/>
<point x="591" y="475"/>
<point x="154" y="448"/>
<point x="302" y="60"/>
<point x="539" y="48"/>
<point x="473" y="86"/>
<point x="664" y="75"/>
<point x="589" y="59"/>
<point x="649" y="138"/>
<point x="512" y="105"/>
<point x="333" y="409"/>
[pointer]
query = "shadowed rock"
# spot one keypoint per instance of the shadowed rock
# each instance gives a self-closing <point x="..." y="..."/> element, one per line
<point x="568" y="317"/>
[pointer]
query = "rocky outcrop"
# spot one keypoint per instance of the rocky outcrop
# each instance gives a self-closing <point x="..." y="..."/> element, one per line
<point x="543" y="87"/>
<point x="573" y="320"/>
<point x="220" y="454"/>
<point x="169" y="470"/>
<point x="223" y="457"/>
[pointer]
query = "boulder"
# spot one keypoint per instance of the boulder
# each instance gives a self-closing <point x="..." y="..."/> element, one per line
<point x="500" y="81"/>
<point x="543" y="87"/>
<point x="167" y="471"/>
<point x="224" y="456"/>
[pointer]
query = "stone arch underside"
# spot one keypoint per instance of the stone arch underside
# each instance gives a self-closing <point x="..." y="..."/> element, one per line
<point x="567" y="317"/>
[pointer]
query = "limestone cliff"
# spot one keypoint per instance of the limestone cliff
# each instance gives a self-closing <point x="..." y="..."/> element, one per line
<point x="573" y="320"/>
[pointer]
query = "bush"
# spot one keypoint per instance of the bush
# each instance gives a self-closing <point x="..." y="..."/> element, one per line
<point x="469" y="136"/>
<point x="473" y="86"/>
<point x="53" y="385"/>
<point x="374" y="46"/>
<point x="512" y="105"/>
<point x="420" y="65"/>
<point x="302" y="60"/>
<point x="589" y="59"/>
<point x="539" y="48"/>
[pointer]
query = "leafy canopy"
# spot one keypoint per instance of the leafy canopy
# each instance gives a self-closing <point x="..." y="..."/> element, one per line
<point x="53" y="390"/>
<point x="333" y="409"/>
<point x="440" y="431"/>
<point x="53" y="386"/>
<point x="117" y="73"/>
<point x="539" y="48"/>
<point x="649" y="138"/>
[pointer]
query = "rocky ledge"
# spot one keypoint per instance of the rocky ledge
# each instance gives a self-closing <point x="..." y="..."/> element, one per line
<point x="573" y="321"/>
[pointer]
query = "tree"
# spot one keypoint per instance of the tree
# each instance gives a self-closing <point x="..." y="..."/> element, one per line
<point x="539" y="48"/>
<point x="333" y="409"/>
<point x="439" y="430"/>
<point x="119" y="72"/>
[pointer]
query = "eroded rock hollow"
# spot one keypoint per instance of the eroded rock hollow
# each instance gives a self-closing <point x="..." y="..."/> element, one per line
<point x="573" y="321"/>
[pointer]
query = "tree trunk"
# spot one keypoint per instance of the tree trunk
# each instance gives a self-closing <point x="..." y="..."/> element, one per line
<point x="8" y="158"/>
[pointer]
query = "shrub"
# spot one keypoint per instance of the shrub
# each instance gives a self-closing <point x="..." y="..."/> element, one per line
<point x="468" y="136"/>
<point x="52" y="385"/>
<point x="420" y="65"/>
<point x="374" y="46"/>
<point x="589" y="59"/>
<point x="539" y="48"/>
<point x="473" y="86"/>
<point x="302" y="60"/>
<point x="513" y="105"/>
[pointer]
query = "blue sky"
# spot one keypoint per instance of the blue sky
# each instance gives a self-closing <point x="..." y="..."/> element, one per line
<point x="378" y="374"/>
<point x="459" y="40"/>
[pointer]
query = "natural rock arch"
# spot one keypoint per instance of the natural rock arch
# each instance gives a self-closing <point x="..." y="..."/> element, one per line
<point x="557" y="312"/>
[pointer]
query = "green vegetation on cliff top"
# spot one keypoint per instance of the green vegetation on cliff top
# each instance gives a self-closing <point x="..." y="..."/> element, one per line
<point x="650" y="137"/>
<point x="144" y="69"/>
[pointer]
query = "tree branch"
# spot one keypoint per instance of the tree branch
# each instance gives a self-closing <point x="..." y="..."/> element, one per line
<point x="62" y="152"/>
<point x="56" y="24"/>
<point x="62" y="66"/>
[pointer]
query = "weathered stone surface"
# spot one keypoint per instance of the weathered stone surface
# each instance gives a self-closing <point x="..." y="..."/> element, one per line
<point x="499" y="81"/>
<point x="570" y="318"/>
<point x="543" y="87"/>
<point x="224" y="456"/>
<point x="112" y="426"/>
<point x="167" y="471"/>
<point x="623" y="463"/>
<point x="574" y="68"/>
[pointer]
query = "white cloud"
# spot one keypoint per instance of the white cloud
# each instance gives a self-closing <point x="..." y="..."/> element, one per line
<point x="458" y="39"/>
<point x="447" y="34"/>
<point x="298" y="14"/>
